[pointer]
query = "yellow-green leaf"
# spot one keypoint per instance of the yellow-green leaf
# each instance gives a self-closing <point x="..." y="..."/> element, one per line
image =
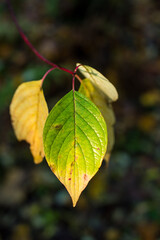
<point x="88" y="90"/>
<point x="100" y="82"/>
<point x="75" y="141"/>
<point x="28" y="112"/>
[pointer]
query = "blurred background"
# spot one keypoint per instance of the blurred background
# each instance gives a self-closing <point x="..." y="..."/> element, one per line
<point x="121" y="39"/>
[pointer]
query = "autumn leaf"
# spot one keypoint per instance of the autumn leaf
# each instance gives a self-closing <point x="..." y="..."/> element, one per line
<point x="88" y="90"/>
<point x="28" y="112"/>
<point x="75" y="141"/>
<point x="101" y="83"/>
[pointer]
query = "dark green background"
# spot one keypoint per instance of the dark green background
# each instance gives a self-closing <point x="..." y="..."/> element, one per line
<point x="121" y="39"/>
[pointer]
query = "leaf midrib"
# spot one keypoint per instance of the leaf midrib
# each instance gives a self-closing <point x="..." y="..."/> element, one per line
<point x="74" y="116"/>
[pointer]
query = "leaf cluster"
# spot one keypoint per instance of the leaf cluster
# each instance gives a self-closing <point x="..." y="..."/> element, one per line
<point x="76" y="135"/>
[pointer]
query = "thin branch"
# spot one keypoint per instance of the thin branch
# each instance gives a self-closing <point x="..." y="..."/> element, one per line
<point x="26" y="40"/>
<point x="45" y="75"/>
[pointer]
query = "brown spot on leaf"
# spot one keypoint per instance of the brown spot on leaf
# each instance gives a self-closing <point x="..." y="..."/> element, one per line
<point x="52" y="167"/>
<point x="69" y="179"/>
<point x="85" y="176"/>
<point x="72" y="164"/>
<point x="57" y="126"/>
<point x="98" y="148"/>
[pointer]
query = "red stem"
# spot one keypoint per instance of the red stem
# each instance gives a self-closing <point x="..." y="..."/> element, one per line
<point x="73" y="81"/>
<point x="30" y="45"/>
<point x="45" y="75"/>
<point x="74" y="75"/>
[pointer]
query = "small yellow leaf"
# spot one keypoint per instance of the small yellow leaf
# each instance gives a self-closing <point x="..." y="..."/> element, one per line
<point x="101" y="83"/>
<point x="88" y="89"/>
<point x="111" y="140"/>
<point x="29" y="111"/>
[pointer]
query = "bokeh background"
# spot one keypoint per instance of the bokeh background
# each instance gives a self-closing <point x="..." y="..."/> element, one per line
<point x="121" y="39"/>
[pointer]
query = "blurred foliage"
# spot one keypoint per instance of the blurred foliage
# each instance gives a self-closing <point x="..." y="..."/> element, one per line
<point x="122" y="40"/>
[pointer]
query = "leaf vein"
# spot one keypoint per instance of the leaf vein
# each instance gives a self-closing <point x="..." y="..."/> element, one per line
<point x="74" y="106"/>
<point x="89" y="142"/>
<point x="55" y="120"/>
<point x="93" y="116"/>
<point x="22" y="101"/>
<point x="83" y="156"/>
<point x="19" y="116"/>
<point x="92" y="129"/>
<point x="58" y="135"/>
<point x="57" y="162"/>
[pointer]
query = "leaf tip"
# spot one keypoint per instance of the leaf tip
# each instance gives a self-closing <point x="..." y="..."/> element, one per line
<point x="74" y="201"/>
<point x="74" y="196"/>
<point x="37" y="159"/>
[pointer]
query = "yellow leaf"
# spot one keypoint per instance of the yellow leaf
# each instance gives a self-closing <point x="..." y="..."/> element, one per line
<point x="111" y="140"/>
<point x="101" y="83"/>
<point x="88" y="89"/>
<point x="29" y="111"/>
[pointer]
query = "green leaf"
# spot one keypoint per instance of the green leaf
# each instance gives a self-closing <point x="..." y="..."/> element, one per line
<point x="100" y="82"/>
<point x="75" y="141"/>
